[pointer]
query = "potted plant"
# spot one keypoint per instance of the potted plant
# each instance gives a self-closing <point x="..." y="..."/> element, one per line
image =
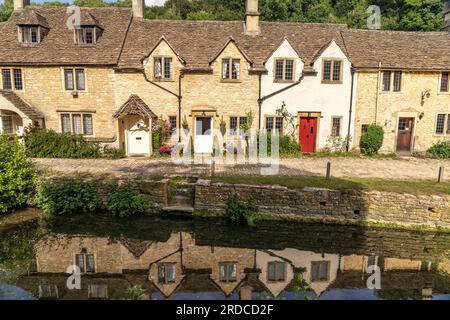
<point x="185" y="123"/>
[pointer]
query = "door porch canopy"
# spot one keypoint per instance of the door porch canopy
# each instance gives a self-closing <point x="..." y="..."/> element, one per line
<point x="135" y="106"/>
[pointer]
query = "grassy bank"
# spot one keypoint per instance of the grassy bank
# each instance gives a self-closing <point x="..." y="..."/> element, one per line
<point x="416" y="187"/>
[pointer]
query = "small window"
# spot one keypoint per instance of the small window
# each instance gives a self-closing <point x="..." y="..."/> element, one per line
<point x="74" y="79"/>
<point x="86" y="262"/>
<point x="233" y="125"/>
<point x="30" y="35"/>
<point x="18" y="83"/>
<point x="231" y="69"/>
<point x="97" y="291"/>
<point x="392" y="81"/>
<point x="65" y="123"/>
<point x="284" y="70"/>
<point x="440" y="123"/>
<point x="269" y="124"/>
<point x="444" y="82"/>
<point x="320" y="271"/>
<point x="228" y="271"/>
<point x="364" y="128"/>
<point x="88" y="129"/>
<point x="85" y="35"/>
<point x="48" y="291"/>
<point x="403" y="124"/>
<point x="336" y="127"/>
<point x="276" y="271"/>
<point x="242" y="121"/>
<point x="173" y="124"/>
<point x="7" y="125"/>
<point x="6" y="79"/>
<point x="163" y="68"/>
<point x="332" y="71"/>
<point x="166" y="273"/>
<point x="274" y="123"/>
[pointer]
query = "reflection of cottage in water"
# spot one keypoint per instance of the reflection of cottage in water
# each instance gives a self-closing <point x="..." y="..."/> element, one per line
<point x="178" y="268"/>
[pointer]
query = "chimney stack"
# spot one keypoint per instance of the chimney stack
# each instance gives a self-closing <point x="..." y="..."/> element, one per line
<point x="20" y="4"/>
<point x="446" y="26"/>
<point x="138" y="8"/>
<point x="252" y="18"/>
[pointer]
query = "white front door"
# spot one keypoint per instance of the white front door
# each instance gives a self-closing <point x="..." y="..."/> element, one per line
<point x="203" y="135"/>
<point x="138" y="136"/>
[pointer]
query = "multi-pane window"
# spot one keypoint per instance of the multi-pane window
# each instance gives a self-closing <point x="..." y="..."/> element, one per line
<point x="336" y="126"/>
<point x="12" y="77"/>
<point x="85" y="35"/>
<point x="29" y="35"/>
<point x="276" y="271"/>
<point x="173" y="124"/>
<point x="231" y="69"/>
<point x="274" y="123"/>
<point x="443" y="123"/>
<point x="166" y="273"/>
<point x="228" y="271"/>
<point x="7" y="125"/>
<point x="163" y="68"/>
<point x="97" y="291"/>
<point x="236" y="123"/>
<point x="320" y="271"/>
<point x="74" y="80"/>
<point x="48" y="291"/>
<point x="392" y="81"/>
<point x="444" y="82"/>
<point x="284" y="70"/>
<point x="332" y="71"/>
<point x="86" y="262"/>
<point x="77" y="123"/>
<point x="364" y="128"/>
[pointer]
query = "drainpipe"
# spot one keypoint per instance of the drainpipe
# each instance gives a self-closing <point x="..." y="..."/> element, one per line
<point x="347" y="147"/>
<point x="283" y="89"/>
<point x="260" y="101"/>
<point x="180" y="97"/>
<point x="378" y="92"/>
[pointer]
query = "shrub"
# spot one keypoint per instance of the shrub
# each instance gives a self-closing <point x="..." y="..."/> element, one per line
<point x="287" y="145"/>
<point x="68" y="197"/>
<point x="160" y="133"/>
<point x="239" y="211"/>
<point x="440" y="150"/>
<point x="113" y="153"/>
<point x="17" y="174"/>
<point x="165" y="150"/>
<point x="123" y="202"/>
<point x="372" y="140"/>
<point x="135" y="292"/>
<point x="45" y="143"/>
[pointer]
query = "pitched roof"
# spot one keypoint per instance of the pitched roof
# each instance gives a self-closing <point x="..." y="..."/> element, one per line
<point x="198" y="42"/>
<point x="135" y="106"/>
<point x="398" y="49"/>
<point x="58" y="47"/>
<point x="21" y="104"/>
<point x="31" y="17"/>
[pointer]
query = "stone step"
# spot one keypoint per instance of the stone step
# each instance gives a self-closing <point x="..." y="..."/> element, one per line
<point x="177" y="200"/>
<point x="180" y="211"/>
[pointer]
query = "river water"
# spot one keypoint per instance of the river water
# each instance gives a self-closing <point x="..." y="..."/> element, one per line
<point x="212" y="259"/>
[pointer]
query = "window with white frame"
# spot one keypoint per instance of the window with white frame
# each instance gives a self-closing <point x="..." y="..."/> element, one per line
<point x="86" y="35"/>
<point x="231" y="69"/>
<point x="274" y="123"/>
<point x="74" y="79"/>
<point x="29" y="34"/>
<point x="332" y="71"/>
<point x="163" y="68"/>
<point x="444" y="85"/>
<point x="443" y="123"/>
<point x="284" y="70"/>
<point x="77" y="123"/>
<point x="227" y="271"/>
<point x="12" y="78"/>
<point x="392" y="81"/>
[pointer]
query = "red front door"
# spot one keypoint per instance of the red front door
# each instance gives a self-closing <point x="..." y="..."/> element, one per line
<point x="308" y="132"/>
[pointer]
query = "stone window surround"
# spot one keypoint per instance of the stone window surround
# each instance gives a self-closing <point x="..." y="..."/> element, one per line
<point x="228" y="264"/>
<point x="340" y="126"/>
<point x="85" y="253"/>
<point x="28" y="28"/>
<point x="284" y="59"/>
<point x="446" y="124"/>
<point x="274" y="121"/>
<point x="331" y="81"/>
<point x="11" y="70"/>
<point x="439" y="85"/>
<point x="320" y="264"/>
<point x="277" y="263"/>
<point x="63" y="82"/>
<point x="230" y="79"/>
<point x="238" y="123"/>
<point x="83" y="30"/>
<point x="82" y="113"/>
<point x="391" y="89"/>
<point x="162" y="78"/>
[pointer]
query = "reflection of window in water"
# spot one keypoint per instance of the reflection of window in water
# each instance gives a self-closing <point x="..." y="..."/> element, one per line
<point x="98" y="291"/>
<point x="228" y="271"/>
<point x="276" y="271"/>
<point x="86" y="262"/>
<point x="48" y="291"/>
<point x="33" y="266"/>
<point x="320" y="271"/>
<point x="166" y="273"/>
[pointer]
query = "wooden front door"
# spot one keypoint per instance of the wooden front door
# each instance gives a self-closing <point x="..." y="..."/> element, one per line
<point x="405" y="134"/>
<point x="308" y="133"/>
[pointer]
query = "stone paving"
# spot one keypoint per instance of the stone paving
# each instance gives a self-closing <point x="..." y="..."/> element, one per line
<point x="401" y="168"/>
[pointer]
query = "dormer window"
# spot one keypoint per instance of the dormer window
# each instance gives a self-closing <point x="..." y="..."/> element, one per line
<point x="163" y="68"/>
<point x="284" y="70"/>
<point x="231" y="69"/>
<point x="85" y="35"/>
<point x="29" y="35"/>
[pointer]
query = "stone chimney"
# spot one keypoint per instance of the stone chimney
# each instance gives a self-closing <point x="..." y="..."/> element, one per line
<point x="251" y="18"/>
<point x="446" y="26"/>
<point x="20" y="4"/>
<point x="138" y="8"/>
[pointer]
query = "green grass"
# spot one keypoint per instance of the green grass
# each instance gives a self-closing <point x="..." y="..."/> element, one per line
<point x="417" y="187"/>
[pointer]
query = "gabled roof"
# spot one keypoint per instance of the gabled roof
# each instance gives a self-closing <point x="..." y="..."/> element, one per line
<point x="31" y="17"/>
<point x="21" y="104"/>
<point x="58" y="47"/>
<point x="230" y="40"/>
<point x="135" y="106"/>
<point x="163" y="39"/>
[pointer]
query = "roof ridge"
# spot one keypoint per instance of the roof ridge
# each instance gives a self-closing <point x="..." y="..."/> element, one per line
<point x="395" y="31"/>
